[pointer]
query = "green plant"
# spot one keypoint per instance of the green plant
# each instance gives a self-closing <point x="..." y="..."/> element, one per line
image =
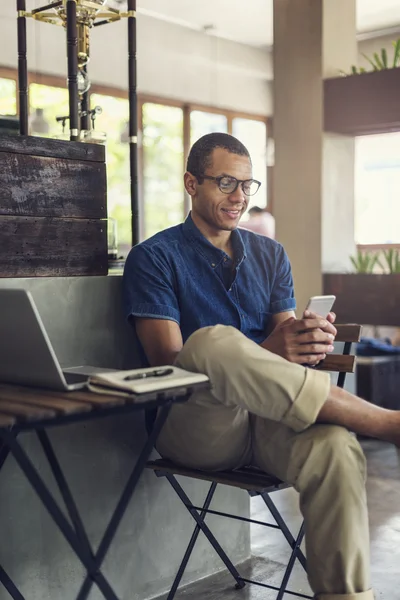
<point x="379" y="62"/>
<point x="364" y="262"/>
<point x="392" y="258"/>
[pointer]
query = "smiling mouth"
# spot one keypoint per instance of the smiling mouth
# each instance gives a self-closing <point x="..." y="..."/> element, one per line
<point x="231" y="212"/>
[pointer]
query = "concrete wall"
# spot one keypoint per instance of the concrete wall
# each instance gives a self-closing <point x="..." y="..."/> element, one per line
<point x="84" y="322"/>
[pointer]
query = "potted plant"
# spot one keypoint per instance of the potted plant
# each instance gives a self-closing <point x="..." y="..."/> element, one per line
<point x="371" y="294"/>
<point x="364" y="102"/>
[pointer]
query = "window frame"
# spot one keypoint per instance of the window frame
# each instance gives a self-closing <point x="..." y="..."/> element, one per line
<point x="187" y="107"/>
<point x="377" y="247"/>
<point x="8" y="73"/>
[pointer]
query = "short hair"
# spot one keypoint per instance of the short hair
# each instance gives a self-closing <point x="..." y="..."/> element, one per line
<point x="200" y="153"/>
<point x="255" y="210"/>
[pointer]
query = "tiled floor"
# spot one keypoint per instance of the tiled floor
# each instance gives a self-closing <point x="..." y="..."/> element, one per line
<point x="384" y="506"/>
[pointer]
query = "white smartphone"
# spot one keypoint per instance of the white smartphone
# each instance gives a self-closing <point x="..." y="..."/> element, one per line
<point x="321" y="305"/>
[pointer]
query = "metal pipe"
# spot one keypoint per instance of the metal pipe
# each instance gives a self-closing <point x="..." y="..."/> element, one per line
<point x="85" y="117"/>
<point x="22" y="68"/>
<point x="133" y="130"/>
<point x="56" y="4"/>
<point x="72" y="53"/>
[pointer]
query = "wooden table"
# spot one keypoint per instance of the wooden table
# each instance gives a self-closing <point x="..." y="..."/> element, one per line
<point x="28" y="409"/>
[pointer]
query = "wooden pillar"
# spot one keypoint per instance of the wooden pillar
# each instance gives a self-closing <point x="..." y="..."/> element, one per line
<point x="313" y="199"/>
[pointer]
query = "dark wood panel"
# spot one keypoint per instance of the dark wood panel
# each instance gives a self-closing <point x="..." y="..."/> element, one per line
<point x="348" y="333"/>
<point x="51" y="187"/>
<point x="363" y="104"/>
<point x="24" y="412"/>
<point x="338" y="363"/>
<point x="366" y="299"/>
<point x="6" y="420"/>
<point x="37" y="146"/>
<point x="36" y="398"/>
<point x="35" y="247"/>
<point x="89" y="399"/>
<point x="247" y="479"/>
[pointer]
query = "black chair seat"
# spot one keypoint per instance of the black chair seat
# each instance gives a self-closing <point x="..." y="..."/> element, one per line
<point x="248" y="478"/>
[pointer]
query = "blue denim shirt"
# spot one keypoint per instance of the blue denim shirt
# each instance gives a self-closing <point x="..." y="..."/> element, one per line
<point x="179" y="275"/>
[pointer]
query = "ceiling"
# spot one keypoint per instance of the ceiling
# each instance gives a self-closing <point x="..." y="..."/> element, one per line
<point x="252" y="25"/>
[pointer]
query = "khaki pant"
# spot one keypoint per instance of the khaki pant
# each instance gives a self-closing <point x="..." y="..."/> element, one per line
<point x="261" y="411"/>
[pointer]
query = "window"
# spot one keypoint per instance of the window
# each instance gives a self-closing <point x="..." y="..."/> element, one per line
<point x="112" y="121"/>
<point x="8" y="96"/>
<point x="202" y="123"/>
<point x="46" y="103"/>
<point x="162" y="167"/>
<point x="253" y="134"/>
<point x="168" y="131"/>
<point x="377" y="189"/>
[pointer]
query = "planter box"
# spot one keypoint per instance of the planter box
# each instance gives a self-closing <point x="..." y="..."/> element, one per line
<point x="52" y="208"/>
<point x="363" y="104"/>
<point x="365" y="299"/>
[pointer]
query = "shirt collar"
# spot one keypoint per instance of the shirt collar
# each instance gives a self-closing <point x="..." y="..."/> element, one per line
<point x="213" y="255"/>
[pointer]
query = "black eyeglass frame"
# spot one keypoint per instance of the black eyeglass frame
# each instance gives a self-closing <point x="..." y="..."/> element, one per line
<point x="238" y="181"/>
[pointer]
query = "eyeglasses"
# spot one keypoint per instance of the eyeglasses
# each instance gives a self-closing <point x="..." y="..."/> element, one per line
<point x="228" y="184"/>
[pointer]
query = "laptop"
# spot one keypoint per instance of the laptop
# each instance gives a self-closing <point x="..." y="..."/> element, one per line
<point x="26" y="354"/>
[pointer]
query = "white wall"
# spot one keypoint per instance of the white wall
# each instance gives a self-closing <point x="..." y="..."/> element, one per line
<point x="173" y="61"/>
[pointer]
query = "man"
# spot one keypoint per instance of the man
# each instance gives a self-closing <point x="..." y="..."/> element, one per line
<point x="213" y="299"/>
<point x="260" y="221"/>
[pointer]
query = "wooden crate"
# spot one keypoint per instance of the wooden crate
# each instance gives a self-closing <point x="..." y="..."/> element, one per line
<point x="368" y="299"/>
<point x="53" y="208"/>
<point x="363" y="104"/>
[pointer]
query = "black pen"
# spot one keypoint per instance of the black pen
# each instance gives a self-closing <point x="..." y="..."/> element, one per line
<point x="147" y="374"/>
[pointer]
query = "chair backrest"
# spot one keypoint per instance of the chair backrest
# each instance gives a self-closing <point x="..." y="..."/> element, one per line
<point x="345" y="362"/>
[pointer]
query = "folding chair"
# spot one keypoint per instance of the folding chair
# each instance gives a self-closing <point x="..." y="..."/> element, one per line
<point x="256" y="483"/>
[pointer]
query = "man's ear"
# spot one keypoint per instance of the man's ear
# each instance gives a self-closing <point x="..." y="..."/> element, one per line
<point x="191" y="183"/>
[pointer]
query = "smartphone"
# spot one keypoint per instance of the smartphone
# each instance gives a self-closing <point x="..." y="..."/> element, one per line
<point x="321" y="305"/>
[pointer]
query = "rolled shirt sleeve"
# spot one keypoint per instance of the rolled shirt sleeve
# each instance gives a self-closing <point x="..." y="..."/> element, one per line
<point x="282" y="295"/>
<point x="149" y="286"/>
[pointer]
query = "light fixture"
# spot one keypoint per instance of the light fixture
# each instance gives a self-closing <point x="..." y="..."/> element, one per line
<point x="124" y="137"/>
<point x="83" y="82"/>
<point x="78" y="17"/>
<point x="39" y="123"/>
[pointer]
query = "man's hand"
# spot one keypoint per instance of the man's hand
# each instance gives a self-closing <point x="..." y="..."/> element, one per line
<point x="303" y="341"/>
<point x="331" y="318"/>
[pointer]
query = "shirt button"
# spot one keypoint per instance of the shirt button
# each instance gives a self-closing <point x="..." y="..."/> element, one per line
<point x="225" y="259"/>
<point x="213" y="264"/>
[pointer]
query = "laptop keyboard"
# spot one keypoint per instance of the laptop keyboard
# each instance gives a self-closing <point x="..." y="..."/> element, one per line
<point x="71" y="378"/>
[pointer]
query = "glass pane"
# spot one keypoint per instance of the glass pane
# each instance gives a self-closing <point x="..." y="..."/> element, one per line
<point x="202" y="123"/>
<point x="45" y="104"/>
<point x="8" y="97"/>
<point x="377" y="189"/>
<point x="112" y="120"/>
<point x="253" y="134"/>
<point x="162" y="166"/>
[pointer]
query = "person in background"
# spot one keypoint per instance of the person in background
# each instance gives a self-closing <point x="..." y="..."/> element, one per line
<point x="260" y="221"/>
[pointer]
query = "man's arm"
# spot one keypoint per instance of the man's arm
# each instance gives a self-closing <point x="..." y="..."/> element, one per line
<point x="161" y="340"/>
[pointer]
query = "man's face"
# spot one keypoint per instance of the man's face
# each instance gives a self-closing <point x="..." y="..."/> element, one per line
<point x="216" y="209"/>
